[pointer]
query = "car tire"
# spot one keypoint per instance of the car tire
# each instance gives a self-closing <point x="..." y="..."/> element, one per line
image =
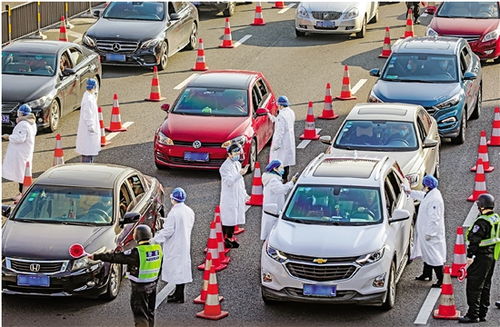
<point x="162" y="65"/>
<point x="477" y="110"/>
<point x="361" y="34"/>
<point x="460" y="139"/>
<point x="374" y="19"/>
<point x="252" y="156"/>
<point x="229" y="11"/>
<point x="114" y="282"/>
<point x="390" y="298"/>
<point x="193" y="38"/>
<point x="54" y="115"/>
<point x="299" y="33"/>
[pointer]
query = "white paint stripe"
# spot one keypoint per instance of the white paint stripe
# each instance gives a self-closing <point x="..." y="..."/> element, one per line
<point x="113" y="134"/>
<point x="242" y="40"/>
<point x="358" y="85"/>
<point x="247" y="207"/>
<point x="286" y="8"/>
<point x="304" y="143"/>
<point x="184" y="82"/>
<point x="162" y="295"/>
<point x="428" y="306"/>
<point x="471" y="216"/>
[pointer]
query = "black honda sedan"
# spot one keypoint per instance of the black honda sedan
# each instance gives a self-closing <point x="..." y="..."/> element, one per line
<point x="49" y="76"/>
<point x="95" y="205"/>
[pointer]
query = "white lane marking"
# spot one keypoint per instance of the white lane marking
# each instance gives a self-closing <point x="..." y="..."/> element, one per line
<point x="162" y="295"/>
<point x="242" y="40"/>
<point x="247" y="207"/>
<point x="286" y="8"/>
<point x="358" y="85"/>
<point x="471" y="216"/>
<point x="184" y="82"/>
<point x="428" y="306"/>
<point x="304" y="143"/>
<point x="113" y="134"/>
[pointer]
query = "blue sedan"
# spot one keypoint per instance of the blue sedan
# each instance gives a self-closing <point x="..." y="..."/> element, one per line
<point x="441" y="74"/>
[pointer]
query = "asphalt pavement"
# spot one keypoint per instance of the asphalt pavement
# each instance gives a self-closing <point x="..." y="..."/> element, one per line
<point x="298" y="68"/>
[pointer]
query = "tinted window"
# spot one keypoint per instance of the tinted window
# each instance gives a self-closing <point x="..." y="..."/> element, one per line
<point x="421" y="129"/>
<point x="15" y="63"/>
<point x="136" y="184"/>
<point x="485" y="10"/>
<point x="125" y="199"/>
<point x="396" y="184"/>
<point x="465" y="59"/>
<point x="135" y="10"/>
<point x="256" y="97"/>
<point x="389" y="196"/>
<point x="212" y="102"/>
<point x="421" y="68"/>
<point x="262" y="88"/>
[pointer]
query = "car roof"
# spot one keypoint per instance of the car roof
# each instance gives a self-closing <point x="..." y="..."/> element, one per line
<point x="427" y="44"/>
<point x="84" y="175"/>
<point x="384" y="111"/>
<point x="37" y="46"/>
<point x="227" y="79"/>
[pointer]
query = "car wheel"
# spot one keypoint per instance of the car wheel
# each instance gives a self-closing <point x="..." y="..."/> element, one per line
<point x="115" y="279"/>
<point x="299" y="33"/>
<point x="253" y="156"/>
<point x="229" y="11"/>
<point x="460" y="139"/>
<point x="390" y="298"/>
<point x="54" y="115"/>
<point x="374" y="19"/>
<point x="477" y="111"/>
<point x="164" y="56"/>
<point x="193" y="38"/>
<point x="362" y="33"/>
<point x="411" y="243"/>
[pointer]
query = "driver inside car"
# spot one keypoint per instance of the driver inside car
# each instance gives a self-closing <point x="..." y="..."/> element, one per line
<point x="400" y="133"/>
<point x="237" y="104"/>
<point x="368" y="206"/>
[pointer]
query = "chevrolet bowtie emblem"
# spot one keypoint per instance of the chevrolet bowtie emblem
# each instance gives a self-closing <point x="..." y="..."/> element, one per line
<point x="319" y="260"/>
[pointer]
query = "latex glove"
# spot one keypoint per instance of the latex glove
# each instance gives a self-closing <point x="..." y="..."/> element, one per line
<point x="406" y="188"/>
<point x="5" y="137"/>
<point x="428" y="237"/>
<point x="361" y="209"/>
<point x="294" y="178"/>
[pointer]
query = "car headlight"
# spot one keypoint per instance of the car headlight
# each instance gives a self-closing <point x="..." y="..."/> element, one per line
<point x="238" y="140"/>
<point x="150" y="43"/>
<point x="453" y="101"/>
<point x="276" y="254"/>
<point x="413" y="179"/>
<point x="371" y="257"/>
<point x="163" y="139"/>
<point x="80" y="263"/>
<point x="87" y="40"/>
<point x="302" y="12"/>
<point x="431" y="32"/>
<point x="493" y="35"/>
<point x="373" y="98"/>
<point x="353" y="13"/>
<point x="41" y="102"/>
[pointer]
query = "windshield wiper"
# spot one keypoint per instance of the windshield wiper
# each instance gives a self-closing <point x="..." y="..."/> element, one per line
<point x="26" y="220"/>
<point x="79" y="223"/>
<point x="346" y="147"/>
<point x="417" y="81"/>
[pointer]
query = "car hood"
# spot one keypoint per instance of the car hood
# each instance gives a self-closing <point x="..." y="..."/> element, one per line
<point x="22" y="88"/>
<point x="327" y="241"/>
<point x="208" y="129"/>
<point x="463" y="26"/>
<point x="51" y="241"/>
<point x="123" y="29"/>
<point x="424" y="94"/>
<point x="330" y="6"/>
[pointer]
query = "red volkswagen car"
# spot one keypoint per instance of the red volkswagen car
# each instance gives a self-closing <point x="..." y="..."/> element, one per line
<point x="215" y="109"/>
<point x="478" y="22"/>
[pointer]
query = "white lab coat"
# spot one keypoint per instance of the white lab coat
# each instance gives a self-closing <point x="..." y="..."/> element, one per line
<point x="232" y="194"/>
<point x="274" y="192"/>
<point x="20" y="149"/>
<point x="176" y="242"/>
<point x="430" y="223"/>
<point x="283" y="137"/>
<point x="88" y="137"/>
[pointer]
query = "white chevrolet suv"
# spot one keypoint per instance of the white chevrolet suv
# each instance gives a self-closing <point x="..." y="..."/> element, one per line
<point x="344" y="235"/>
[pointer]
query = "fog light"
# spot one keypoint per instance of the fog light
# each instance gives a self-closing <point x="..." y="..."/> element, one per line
<point x="267" y="278"/>
<point x="347" y="28"/>
<point x="379" y="281"/>
<point x="303" y="26"/>
<point x="449" y="120"/>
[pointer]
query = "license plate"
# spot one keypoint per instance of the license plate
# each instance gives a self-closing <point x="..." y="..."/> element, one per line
<point x="115" y="57"/>
<point x="5" y="119"/>
<point x="320" y="290"/>
<point x="33" y="280"/>
<point x="196" y="156"/>
<point x="325" y="23"/>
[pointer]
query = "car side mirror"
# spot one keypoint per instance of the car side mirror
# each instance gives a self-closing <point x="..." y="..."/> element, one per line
<point x="262" y="112"/>
<point x="165" y="107"/>
<point x="431" y="10"/>
<point x="68" y="71"/>
<point x="130" y="218"/>
<point x="375" y="72"/>
<point x="429" y="143"/>
<point x="271" y="209"/>
<point x="399" y="215"/>
<point x="174" y="16"/>
<point x="326" y="139"/>
<point x="469" y="76"/>
<point x="6" y="210"/>
<point x="96" y="13"/>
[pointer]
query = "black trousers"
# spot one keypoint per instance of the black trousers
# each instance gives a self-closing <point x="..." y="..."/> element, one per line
<point x="478" y="285"/>
<point x="143" y="302"/>
<point x="285" y="174"/>
<point x="415" y="7"/>
<point x="438" y="270"/>
<point x="228" y="231"/>
<point x="20" y="187"/>
<point x="179" y="291"/>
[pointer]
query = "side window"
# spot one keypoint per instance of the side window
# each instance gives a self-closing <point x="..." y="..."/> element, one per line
<point x="137" y="186"/>
<point x="263" y="88"/>
<point x="464" y="60"/>
<point x="256" y="98"/>
<point x="65" y="62"/>
<point x="426" y="120"/>
<point x="396" y="184"/>
<point x="389" y="196"/>
<point x="421" y="129"/>
<point x="171" y="7"/>
<point x="76" y="56"/>
<point x="125" y="199"/>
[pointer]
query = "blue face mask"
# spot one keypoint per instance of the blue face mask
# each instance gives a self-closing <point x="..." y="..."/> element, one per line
<point x="280" y="172"/>
<point x="235" y="158"/>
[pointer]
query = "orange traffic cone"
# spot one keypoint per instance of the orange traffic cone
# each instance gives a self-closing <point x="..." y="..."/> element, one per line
<point x="345" y="93"/>
<point x="386" y="48"/>
<point x="495" y="133"/>
<point x="204" y="288"/>
<point x="28" y="179"/>
<point x="218" y="227"/>
<point x="238" y="230"/>
<point x="63" y="33"/>
<point x="328" y="112"/>
<point x="116" y="120"/>
<point x="104" y="142"/>
<point x="309" y="129"/>
<point x="200" y="64"/>
<point x="155" y="94"/>
<point x="257" y="196"/>
<point x="483" y="154"/>
<point x="259" y="19"/>
<point x="222" y="249"/>
<point x="213" y="250"/>
<point x="479" y="182"/>
<point x="459" y="253"/>
<point x="227" y="42"/>
<point x="409" y="25"/>
<point x="58" y="152"/>
<point x="279" y="4"/>
<point x="447" y="308"/>
<point x="212" y="309"/>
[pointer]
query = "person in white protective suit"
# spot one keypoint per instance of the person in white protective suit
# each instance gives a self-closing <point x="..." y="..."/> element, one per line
<point x="176" y="240"/>
<point x="88" y="137"/>
<point x="283" y="143"/>
<point x="233" y="195"/>
<point x="20" y="148"/>
<point x="430" y="239"/>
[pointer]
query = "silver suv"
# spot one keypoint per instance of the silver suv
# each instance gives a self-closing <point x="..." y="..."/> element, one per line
<point x="344" y="236"/>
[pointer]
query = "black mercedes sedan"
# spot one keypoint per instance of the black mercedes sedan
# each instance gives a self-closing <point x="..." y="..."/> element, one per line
<point x="143" y="33"/>
<point x="49" y="76"/>
<point x="97" y="206"/>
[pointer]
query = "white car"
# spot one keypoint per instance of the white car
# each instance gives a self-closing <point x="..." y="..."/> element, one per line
<point x="344" y="236"/>
<point x="335" y="17"/>
<point x="405" y="132"/>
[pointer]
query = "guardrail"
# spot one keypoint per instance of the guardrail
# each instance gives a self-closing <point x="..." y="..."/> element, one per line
<point x="23" y="19"/>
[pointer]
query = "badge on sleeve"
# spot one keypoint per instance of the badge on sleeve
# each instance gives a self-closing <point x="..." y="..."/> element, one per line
<point x="475" y="229"/>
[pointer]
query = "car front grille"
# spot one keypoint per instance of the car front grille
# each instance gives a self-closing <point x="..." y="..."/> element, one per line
<point x="210" y="163"/>
<point x="320" y="273"/>
<point x="117" y="46"/>
<point x="203" y="144"/>
<point x="9" y="106"/>
<point x="36" y="267"/>
<point x="468" y="38"/>
<point x="326" y="15"/>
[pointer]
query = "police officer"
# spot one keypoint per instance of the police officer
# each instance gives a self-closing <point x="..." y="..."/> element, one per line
<point x="484" y="248"/>
<point x="143" y="268"/>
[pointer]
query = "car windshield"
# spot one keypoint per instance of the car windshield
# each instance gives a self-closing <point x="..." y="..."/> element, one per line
<point x="34" y="64"/>
<point x="473" y="9"/>
<point x="423" y="68"/>
<point x="66" y="205"/>
<point x="334" y="205"/>
<point x="203" y="101"/>
<point x="377" y="135"/>
<point x="136" y="11"/>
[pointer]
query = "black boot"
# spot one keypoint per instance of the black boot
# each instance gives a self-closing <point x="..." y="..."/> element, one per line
<point x="178" y="296"/>
<point x="228" y="244"/>
<point x="426" y="274"/>
<point x="439" y="274"/>
<point x="235" y="244"/>
<point x="497" y="303"/>
<point x="467" y="320"/>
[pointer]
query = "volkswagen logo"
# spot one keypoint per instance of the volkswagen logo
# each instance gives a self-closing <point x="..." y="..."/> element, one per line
<point x="196" y="144"/>
<point x="35" y="267"/>
<point x="116" y="47"/>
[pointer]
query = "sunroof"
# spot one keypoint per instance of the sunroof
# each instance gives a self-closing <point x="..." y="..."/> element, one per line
<point x="355" y="168"/>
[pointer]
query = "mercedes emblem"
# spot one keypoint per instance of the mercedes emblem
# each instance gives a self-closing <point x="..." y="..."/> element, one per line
<point x="116" y="47"/>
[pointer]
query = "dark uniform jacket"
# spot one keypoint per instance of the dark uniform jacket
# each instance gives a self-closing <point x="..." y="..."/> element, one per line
<point x="481" y="230"/>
